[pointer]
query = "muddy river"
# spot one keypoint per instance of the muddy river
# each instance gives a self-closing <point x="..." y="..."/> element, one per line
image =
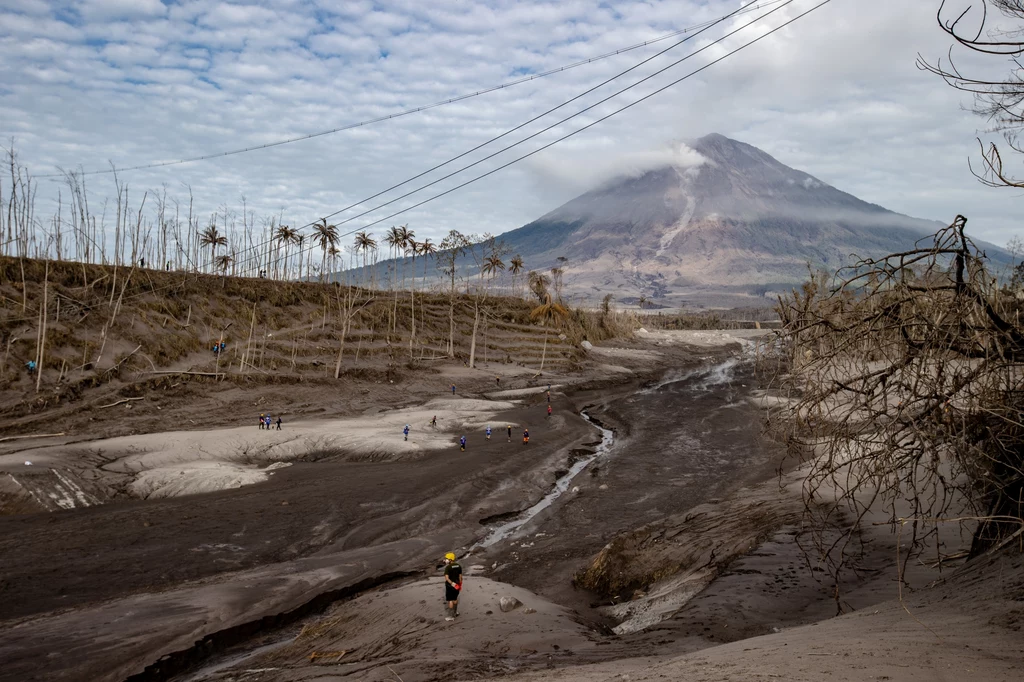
<point x="633" y="456"/>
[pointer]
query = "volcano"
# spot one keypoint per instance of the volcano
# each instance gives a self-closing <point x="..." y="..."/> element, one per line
<point x="730" y="229"/>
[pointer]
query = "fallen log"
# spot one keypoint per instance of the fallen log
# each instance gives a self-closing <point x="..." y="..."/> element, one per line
<point x="119" y="402"/>
<point x="35" y="435"/>
<point x="201" y="374"/>
<point x="114" y="368"/>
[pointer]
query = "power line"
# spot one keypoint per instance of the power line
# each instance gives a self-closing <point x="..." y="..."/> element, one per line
<point x="518" y="127"/>
<point x="563" y="138"/>
<point x="254" y="248"/>
<point x="603" y="118"/>
<point x="441" y="103"/>
<point x="619" y="111"/>
<point x="553" y="125"/>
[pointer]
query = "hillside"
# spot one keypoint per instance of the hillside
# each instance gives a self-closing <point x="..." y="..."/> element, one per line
<point x="116" y="334"/>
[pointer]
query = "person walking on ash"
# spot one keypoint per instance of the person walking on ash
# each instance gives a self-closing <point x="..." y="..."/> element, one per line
<point x="452" y="585"/>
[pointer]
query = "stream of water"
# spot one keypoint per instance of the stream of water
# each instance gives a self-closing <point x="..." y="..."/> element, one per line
<point x="508" y="529"/>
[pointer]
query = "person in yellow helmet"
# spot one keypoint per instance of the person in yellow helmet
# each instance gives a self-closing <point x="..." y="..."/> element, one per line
<point x="452" y="585"/>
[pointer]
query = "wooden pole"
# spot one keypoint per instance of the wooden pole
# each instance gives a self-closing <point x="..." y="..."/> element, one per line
<point x="42" y="341"/>
<point x="248" y="342"/>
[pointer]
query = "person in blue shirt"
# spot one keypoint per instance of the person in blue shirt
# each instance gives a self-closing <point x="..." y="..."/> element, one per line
<point x="406" y="431"/>
<point x="488" y="432"/>
<point x="462" y="443"/>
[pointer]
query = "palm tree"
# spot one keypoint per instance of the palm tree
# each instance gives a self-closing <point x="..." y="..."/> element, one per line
<point x="413" y="247"/>
<point x="326" y="236"/>
<point x="427" y="248"/>
<point x="283" y="236"/>
<point x="492" y="266"/>
<point x="364" y="242"/>
<point x="298" y="239"/>
<point x="212" y="238"/>
<point x="400" y="236"/>
<point x="548" y="313"/>
<point x="224" y="262"/>
<point x="332" y="254"/>
<point x="642" y="301"/>
<point x="406" y="235"/>
<point x="515" y="266"/>
<point x="393" y="238"/>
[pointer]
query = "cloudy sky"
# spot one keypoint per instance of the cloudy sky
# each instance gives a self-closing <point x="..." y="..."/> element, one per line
<point x="84" y="83"/>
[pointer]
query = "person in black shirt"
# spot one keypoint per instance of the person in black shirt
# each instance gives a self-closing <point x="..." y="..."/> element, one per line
<point x="452" y="585"/>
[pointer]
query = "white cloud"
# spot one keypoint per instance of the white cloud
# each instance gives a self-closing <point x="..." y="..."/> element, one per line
<point x="135" y="81"/>
<point x="577" y="173"/>
<point x="120" y="9"/>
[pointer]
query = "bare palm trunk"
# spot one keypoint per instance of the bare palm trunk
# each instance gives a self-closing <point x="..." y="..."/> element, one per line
<point x="451" y="328"/>
<point x="544" y="352"/>
<point x="345" y="319"/>
<point x="472" y="343"/>
<point x="412" y="308"/>
<point x="41" y="354"/>
<point x="341" y="349"/>
<point x="248" y="341"/>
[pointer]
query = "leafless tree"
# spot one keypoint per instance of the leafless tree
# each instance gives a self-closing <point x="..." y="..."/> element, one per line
<point x="454" y="245"/>
<point x="908" y="380"/>
<point x="977" y="29"/>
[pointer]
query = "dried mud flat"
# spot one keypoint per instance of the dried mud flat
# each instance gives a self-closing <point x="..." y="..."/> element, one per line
<point x="327" y="568"/>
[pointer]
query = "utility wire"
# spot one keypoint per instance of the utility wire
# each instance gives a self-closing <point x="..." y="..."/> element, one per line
<point x="441" y="103"/>
<point x="554" y="142"/>
<point x="553" y="125"/>
<point x="603" y="118"/>
<point x="514" y="129"/>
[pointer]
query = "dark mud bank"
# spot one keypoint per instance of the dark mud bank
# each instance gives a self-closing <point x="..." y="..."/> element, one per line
<point x="188" y="660"/>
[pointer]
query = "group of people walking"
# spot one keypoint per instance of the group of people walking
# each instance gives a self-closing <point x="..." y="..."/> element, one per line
<point x="487" y="431"/>
<point x="487" y="434"/>
<point x="266" y="421"/>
